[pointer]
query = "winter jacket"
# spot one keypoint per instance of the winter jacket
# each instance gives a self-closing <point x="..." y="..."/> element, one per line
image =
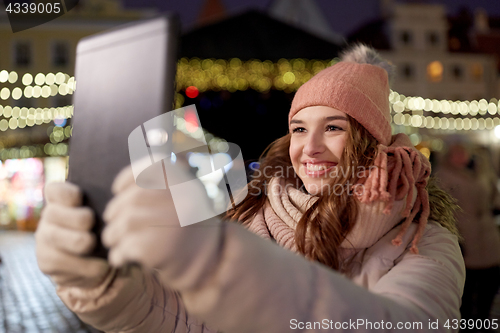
<point x="254" y="285"/>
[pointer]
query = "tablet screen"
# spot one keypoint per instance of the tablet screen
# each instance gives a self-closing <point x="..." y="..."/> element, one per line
<point x="124" y="77"/>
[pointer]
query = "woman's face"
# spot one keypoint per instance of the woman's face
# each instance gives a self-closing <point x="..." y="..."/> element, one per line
<point x="318" y="139"/>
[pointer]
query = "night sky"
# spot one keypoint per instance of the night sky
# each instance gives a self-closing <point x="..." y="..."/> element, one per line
<point x="344" y="15"/>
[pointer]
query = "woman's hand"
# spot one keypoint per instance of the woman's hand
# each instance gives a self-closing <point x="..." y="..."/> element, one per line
<point x="63" y="238"/>
<point x="143" y="228"/>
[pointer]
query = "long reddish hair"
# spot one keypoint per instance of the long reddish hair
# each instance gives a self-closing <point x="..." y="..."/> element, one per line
<point x="330" y="218"/>
<point x="333" y="215"/>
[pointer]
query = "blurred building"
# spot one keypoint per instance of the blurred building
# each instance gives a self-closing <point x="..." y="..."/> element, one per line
<point x="37" y="67"/>
<point x="446" y="83"/>
<point x="483" y="33"/>
<point x="51" y="47"/>
<point x="36" y="87"/>
<point x="415" y="37"/>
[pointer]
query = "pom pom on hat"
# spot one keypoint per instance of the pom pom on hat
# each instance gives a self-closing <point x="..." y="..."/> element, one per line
<point x="363" y="54"/>
<point x="357" y="85"/>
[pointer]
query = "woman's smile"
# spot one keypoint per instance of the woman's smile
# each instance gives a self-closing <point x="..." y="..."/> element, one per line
<point x="318" y="168"/>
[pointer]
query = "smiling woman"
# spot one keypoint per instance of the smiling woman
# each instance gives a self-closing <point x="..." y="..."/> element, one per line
<point x="338" y="146"/>
<point x="353" y="182"/>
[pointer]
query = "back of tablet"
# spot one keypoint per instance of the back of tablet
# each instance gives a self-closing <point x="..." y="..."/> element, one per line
<point x="124" y="77"/>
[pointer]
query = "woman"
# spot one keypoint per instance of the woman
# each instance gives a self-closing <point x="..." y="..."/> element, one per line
<point x="335" y="190"/>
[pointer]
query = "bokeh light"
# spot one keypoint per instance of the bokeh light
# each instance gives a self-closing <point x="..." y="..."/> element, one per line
<point x="192" y="92"/>
<point x="435" y="71"/>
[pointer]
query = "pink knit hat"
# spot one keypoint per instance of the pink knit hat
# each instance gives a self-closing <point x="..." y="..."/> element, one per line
<point x="359" y="90"/>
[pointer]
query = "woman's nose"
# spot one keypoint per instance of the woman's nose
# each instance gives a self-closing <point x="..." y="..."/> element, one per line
<point x="314" y="145"/>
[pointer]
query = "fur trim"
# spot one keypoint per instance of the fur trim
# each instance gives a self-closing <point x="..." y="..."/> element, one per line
<point x="363" y="54"/>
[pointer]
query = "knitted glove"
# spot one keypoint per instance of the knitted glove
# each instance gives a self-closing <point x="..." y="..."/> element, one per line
<point x="63" y="238"/>
<point x="143" y="228"/>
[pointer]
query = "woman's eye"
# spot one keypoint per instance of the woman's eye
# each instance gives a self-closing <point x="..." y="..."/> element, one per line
<point x="298" y="130"/>
<point x="333" y="128"/>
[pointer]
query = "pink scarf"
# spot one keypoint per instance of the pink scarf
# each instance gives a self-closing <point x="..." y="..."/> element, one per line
<point x="398" y="168"/>
<point x="399" y="171"/>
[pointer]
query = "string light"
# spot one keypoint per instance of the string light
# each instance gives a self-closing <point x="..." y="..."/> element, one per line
<point x="4" y="93"/>
<point x="13" y="77"/>
<point x="32" y="116"/>
<point x="4" y="76"/>
<point x="58" y="134"/>
<point x="230" y="75"/>
<point x="289" y="75"/>
<point x="235" y="74"/>
<point x="42" y="85"/>
<point x="39" y="150"/>
<point x="23" y="152"/>
<point x="56" y="148"/>
<point x="27" y="79"/>
<point x="400" y="103"/>
<point x="458" y="124"/>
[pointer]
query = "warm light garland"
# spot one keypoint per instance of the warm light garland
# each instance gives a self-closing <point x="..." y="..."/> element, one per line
<point x="230" y="75"/>
<point x="445" y="123"/>
<point x="45" y="85"/>
<point x="235" y="74"/>
<point x="58" y="134"/>
<point x="400" y="103"/>
<point x="20" y="117"/>
<point x="462" y="115"/>
<point x="288" y="75"/>
<point x="40" y="150"/>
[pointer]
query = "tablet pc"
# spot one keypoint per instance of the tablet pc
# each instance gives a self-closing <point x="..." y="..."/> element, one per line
<point x="125" y="77"/>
